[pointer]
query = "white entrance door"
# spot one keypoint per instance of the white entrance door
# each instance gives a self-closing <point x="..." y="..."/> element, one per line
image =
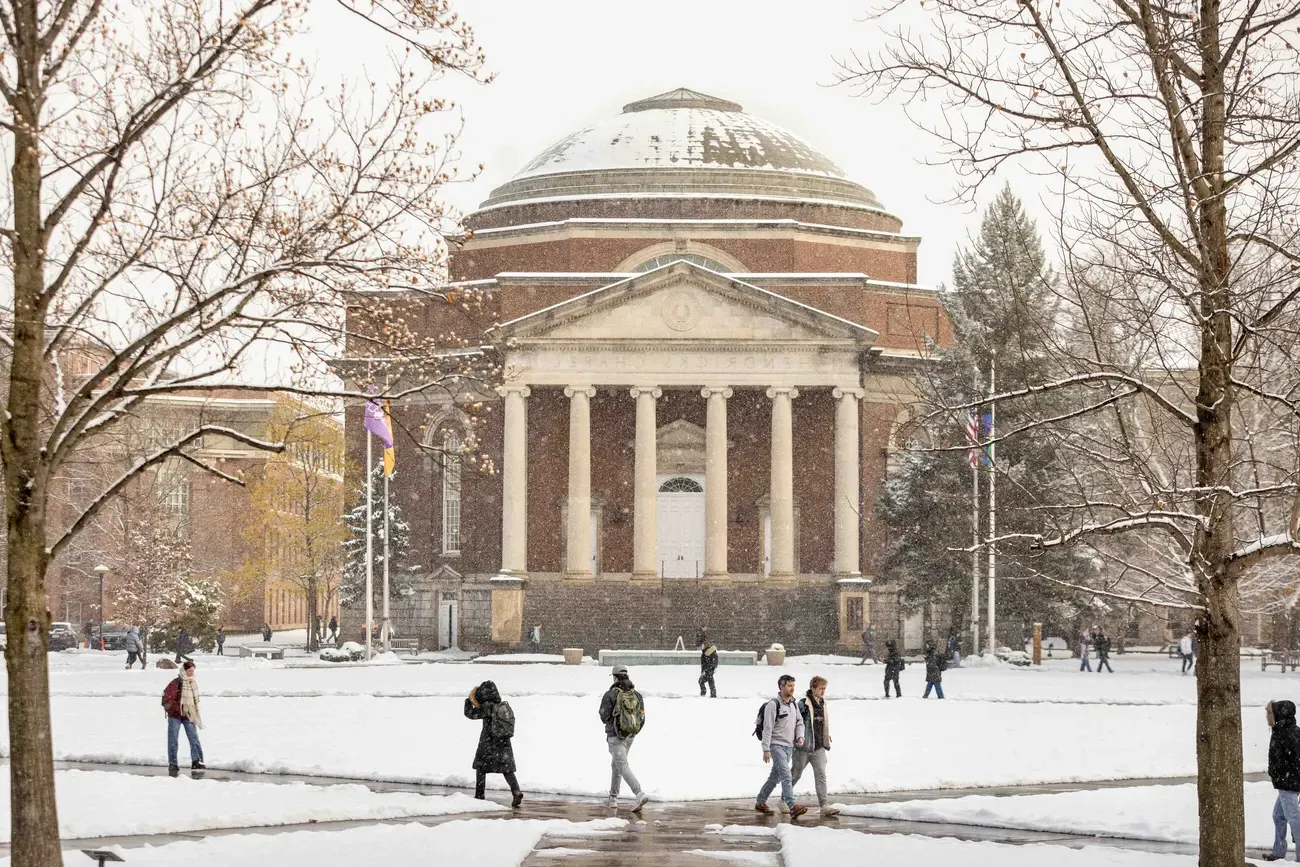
<point x="914" y="631"/>
<point x="448" y="624"/>
<point x="680" y="519"/>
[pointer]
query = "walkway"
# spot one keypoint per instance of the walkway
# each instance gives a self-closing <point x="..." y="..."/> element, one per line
<point x="666" y="835"/>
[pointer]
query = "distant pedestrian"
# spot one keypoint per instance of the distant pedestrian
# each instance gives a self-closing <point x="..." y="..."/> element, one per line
<point x="267" y="634"/>
<point x="868" y="645"/>
<point x="894" y="665"/>
<point x="184" y="646"/>
<point x="1102" y="643"/>
<point x="780" y="730"/>
<point x="816" y="742"/>
<point x="221" y="641"/>
<point x="1185" y="652"/>
<point x="134" y="649"/>
<point x="708" y="665"/>
<point x="622" y="710"/>
<point x="334" y="628"/>
<point x="1082" y="646"/>
<point x="701" y="636"/>
<point x="495" y="754"/>
<point x="1284" y="771"/>
<point x="316" y="627"/>
<point x="954" y="650"/>
<point x="89" y="632"/>
<point x="935" y="663"/>
<point x="180" y="701"/>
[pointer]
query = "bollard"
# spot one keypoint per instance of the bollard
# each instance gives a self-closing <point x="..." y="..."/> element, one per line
<point x="1038" y="644"/>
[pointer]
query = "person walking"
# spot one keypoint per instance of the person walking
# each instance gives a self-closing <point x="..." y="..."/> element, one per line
<point x="134" y="650"/>
<point x="334" y="629"/>
<point x="89" y="631"/>
<point x="184" y="646"/>
<point x="267" y="634"/>
<point x="180" y="701"/>
<point x="780" y="731"/>
<point x="708" y="665"/>
<point x="221" y="641"/>
<point x="816" y="743"/>
<point x="495" y="754"/>
<point x="954" y="650"/>
<point x="1284" y="771"/>
<point x="1084" y="665"/>
<point x="1185" y="651"/>
<point x="622" y="710"/>
<point x="894" y="665"/>
<point x="1102" y="643"/>
<point x="935" y="663"/>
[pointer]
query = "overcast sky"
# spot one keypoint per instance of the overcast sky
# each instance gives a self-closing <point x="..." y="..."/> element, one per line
<point x="561" y="64"/>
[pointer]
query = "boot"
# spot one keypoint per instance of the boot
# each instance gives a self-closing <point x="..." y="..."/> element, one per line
<point x="198" y="766"/>
<point x="173" y="770"/>
<point x="517" y="799"/>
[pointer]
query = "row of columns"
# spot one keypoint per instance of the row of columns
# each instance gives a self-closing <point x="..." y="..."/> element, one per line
<point x="645" y="481"/>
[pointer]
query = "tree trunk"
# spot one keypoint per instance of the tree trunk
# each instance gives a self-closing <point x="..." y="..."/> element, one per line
<point x="1218" y="730"/>
<point x="313" y="637"/>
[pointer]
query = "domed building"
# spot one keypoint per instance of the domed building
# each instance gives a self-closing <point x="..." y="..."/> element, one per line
<point x="706" y="335"/>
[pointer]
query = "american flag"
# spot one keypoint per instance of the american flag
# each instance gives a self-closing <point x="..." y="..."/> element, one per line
<point x="973" y="437"/>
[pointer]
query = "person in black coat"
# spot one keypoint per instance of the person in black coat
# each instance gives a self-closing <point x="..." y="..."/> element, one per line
<point x="935" y="663"/>
<point x="708" y="665"/>
<point x="1284" y="771"/>
<point x="1102" y="644"/>
<point x="495" y="755"/>
<point x="893" y="668"/>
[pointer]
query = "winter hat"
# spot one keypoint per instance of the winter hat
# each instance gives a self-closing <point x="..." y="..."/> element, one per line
<point x="619" y="671"/>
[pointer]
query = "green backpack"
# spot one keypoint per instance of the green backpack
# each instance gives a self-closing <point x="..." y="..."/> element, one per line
<point x="629" y="712"/>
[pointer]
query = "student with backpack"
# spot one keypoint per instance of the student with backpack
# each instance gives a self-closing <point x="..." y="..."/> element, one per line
<point x="495" y="755"/>
<point x="622" y="710"/>
<point x="779" y="728"/>
<point x="894" y="664"/>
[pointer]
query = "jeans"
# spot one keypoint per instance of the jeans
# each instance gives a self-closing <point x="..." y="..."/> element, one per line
<point x="817" y="758"/>
<point x="619" y="768"/>
<point x="173" y="736"/>
<point x="1189" y="662"/>
<point x="893" y="678"/>
<point x="1286" y="811"/>
<point x="938" y="689"/>
<point x="707" y="677"/>
<point x="1084" y="665"/>
<point x="780" y="773"/>
<point x="480" y="783"/>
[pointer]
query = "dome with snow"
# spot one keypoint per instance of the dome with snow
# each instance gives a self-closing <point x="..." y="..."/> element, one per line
<point x="682" y="143"/>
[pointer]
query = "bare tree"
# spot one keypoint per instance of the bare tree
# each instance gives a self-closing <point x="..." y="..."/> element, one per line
<point x="185" y="199"/>
<point x="1173" y="130"/>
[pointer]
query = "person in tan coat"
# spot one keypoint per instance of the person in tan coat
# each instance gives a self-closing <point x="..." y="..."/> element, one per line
<point x="816" y="743"/>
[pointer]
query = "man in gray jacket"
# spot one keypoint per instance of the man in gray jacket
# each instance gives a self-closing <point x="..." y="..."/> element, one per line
<point x="134" y="647"/>
<point x="782" y="732"/>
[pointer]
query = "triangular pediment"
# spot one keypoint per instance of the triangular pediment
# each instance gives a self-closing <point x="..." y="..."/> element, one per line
<point x="682" y="301"/>
<point x="681" y="434"/>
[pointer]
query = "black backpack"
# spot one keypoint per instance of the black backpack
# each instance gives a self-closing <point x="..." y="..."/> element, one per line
<point x="502" y="722"/>
<point x="758" y="722"/>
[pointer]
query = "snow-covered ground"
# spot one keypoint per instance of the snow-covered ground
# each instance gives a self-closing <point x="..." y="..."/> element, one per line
<point x="481" y="842"/>
<point x="1164" y="813"/>
<point x="104" y="804"/>
<point x="1000" y="725"/>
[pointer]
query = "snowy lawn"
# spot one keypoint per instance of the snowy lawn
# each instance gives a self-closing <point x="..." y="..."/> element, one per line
<point x="481" y="842"/>
<point x="819" y="847"/>
<point x="404" y="723"/>
<point x="104" y="804"/>
<point x="1164" y="813"/>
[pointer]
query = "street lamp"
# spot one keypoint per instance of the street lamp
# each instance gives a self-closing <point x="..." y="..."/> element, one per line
<point x="101" y="570"/>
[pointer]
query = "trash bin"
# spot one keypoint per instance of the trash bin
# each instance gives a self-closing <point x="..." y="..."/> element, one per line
<point x="573" y="656"/>
<point x="776" y="655"/>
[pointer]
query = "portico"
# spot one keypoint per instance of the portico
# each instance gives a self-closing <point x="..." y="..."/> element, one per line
<point x="684" y="329"/>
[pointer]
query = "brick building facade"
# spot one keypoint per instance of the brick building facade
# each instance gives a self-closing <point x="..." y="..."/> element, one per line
<point x="707" y="336"/>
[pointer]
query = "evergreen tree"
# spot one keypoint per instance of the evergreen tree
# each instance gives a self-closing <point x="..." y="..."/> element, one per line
<point x="353" y="589"/>
<point x="1002" y="303"/>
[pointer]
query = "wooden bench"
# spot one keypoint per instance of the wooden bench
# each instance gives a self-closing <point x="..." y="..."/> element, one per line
<point x="404" y="645"/>
<point x="1281" y="658"/>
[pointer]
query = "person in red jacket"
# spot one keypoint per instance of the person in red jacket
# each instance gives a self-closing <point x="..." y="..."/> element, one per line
<point x="180" y="701"/>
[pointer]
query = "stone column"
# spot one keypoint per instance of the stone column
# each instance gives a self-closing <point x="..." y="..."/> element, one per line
<point x="848" y="520"/>
<point x="514" y="482"/>
<point x="578" y="564"/>
<point x="782" y="496"/>
<point x="715" y="483"/>
<point x="645" y="539"/>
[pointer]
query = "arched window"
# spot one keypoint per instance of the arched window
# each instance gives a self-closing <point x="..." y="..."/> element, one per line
<point x="451" y="494"/>
<point x="681" y="485"/>
<point x="693" y="258"/>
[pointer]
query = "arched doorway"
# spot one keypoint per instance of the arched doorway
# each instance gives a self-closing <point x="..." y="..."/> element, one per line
<point x="680" y="521"/>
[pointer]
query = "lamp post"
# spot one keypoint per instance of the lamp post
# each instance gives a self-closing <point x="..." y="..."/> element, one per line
<point x="101" y="570"/>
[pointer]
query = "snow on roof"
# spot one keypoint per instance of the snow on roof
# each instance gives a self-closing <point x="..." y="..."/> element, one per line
<point x="678" y="129"/>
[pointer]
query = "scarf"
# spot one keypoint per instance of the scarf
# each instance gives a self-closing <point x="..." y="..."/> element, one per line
<point x="190" y="699"/>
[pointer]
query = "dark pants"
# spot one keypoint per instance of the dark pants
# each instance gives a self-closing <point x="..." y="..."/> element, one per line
<point x="184" y="656"/>
<point x="221" y="650"/>
<point x="893" y="678"/>
<point x="1104" y="660"/>
<point x="1189" y="663"/>
<point x="707" y="677"/>
<point x="480" y="783"/>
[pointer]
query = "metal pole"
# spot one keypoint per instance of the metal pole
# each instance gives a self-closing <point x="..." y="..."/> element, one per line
<point x="993" y="506"/>
<point x="370" y="542"/>
<point x="975" y="556"/>
<point x="387" y="628"/>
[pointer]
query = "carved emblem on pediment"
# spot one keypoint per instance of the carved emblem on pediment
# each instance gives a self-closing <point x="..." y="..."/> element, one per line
<point x="680" y="311"/>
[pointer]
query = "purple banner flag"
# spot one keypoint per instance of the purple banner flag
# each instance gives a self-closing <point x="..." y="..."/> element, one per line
<point x="377" y="423"/>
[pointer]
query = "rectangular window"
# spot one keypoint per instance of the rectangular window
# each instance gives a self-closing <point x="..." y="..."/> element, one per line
<point x="451" y="496"/>
<point x="853" y="614"/>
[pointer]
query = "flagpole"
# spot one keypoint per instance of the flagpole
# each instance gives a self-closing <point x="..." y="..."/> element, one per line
<point x="975" y="551"/>
<point x="993" y="506"/>
<point x="370" y="542"/>
<point x="388" y="638"/>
